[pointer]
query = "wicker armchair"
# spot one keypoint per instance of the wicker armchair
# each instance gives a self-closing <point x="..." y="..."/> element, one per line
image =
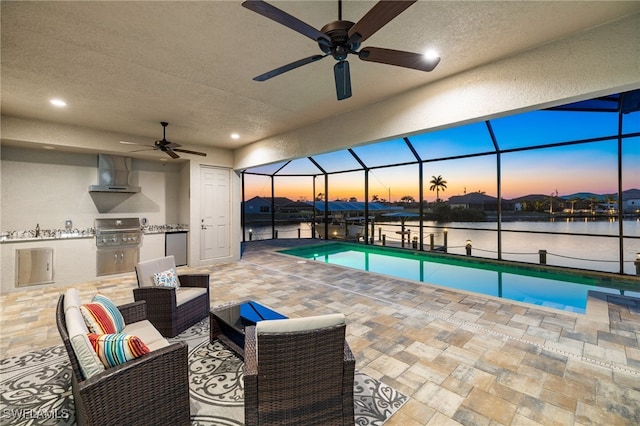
<point x="152" y="389"/>
<point x="169" y="309"/>
<point x="303" y="375"/>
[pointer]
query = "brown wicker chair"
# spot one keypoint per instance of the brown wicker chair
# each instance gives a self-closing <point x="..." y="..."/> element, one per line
<point x="299" y="377"/>
<point x="152" y="389"/>
<point x="164" y="307"/>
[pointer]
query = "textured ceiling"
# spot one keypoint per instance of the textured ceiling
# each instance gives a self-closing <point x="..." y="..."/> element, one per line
<point x="125" y="66"/>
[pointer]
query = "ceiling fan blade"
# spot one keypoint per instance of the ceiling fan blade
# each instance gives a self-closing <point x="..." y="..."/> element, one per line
<point x="288" y="67"/>
<point x="151" y="148"/>
<point x="131" y="143"/>
<point x="398" y="58"/>
<point x="379" y="15"/>
<point x="171" y="153"/>
<point x="186" y="151"/>
<point x="343" y="80"/>
<point x="281" y="17"/>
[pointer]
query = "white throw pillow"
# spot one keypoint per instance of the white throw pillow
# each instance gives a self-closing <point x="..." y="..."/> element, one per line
<point x="168" y="278"/>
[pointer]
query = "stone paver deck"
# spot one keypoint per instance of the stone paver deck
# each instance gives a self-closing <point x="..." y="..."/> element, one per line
<point x="462" y="358"/>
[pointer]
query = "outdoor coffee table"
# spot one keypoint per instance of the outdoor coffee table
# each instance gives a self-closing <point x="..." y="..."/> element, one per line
<point x="227" y="323"/>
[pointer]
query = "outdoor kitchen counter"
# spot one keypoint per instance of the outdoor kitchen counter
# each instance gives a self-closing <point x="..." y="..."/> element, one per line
<point x="74" y="254"/>
<point x="48" y="235"/>
<point x="74" y="259"/>
<point x="5" y="240"/>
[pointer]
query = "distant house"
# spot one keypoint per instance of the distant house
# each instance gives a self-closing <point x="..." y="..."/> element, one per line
<point x="262" y="205"/>
<point x="631" y="201"/>
<point x="480" y="201"/>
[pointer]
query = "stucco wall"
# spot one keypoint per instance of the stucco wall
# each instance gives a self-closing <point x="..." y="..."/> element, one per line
<point x="600" y="61"/>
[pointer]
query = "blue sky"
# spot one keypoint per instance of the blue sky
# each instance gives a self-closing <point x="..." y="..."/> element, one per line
<point x="590" y="167"/>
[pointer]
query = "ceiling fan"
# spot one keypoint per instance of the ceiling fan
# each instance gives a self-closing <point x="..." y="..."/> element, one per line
<point x="170" y="148"/>
<point x="341" y="38"/>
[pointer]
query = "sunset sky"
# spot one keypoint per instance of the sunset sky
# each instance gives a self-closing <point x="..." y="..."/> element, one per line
<point x="590" y="167"/>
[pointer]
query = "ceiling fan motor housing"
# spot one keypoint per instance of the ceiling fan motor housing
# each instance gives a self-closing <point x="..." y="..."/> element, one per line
<point x="338" y="32"/>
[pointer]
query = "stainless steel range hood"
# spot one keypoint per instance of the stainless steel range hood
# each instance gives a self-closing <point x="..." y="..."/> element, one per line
<point x="114" y="175"/>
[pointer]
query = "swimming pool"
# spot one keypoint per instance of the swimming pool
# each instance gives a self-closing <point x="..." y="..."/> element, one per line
<point x="530" y="284"/>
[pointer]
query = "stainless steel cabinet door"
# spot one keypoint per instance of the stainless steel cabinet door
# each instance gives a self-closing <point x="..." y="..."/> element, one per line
<point x="34" y="266"/>
<point x="116" y="261"/>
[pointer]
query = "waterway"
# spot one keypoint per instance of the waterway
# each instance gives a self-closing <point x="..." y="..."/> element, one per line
<point x="595" y="247"/>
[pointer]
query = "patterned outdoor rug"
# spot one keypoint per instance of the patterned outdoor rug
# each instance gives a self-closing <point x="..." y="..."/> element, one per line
<point x="35" y="388"/>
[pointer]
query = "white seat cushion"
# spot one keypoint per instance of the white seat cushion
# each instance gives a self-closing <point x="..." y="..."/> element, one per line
<point x="88" y="360"/>
<point x="299" y="324"/>
<point x="145" y="270"/>
<point x="71" y="298"/>
<point x="293" y="325"/>
<point x="146" y="332"/>
<point x="184" y="294"/>
<point x="158" y="345"/>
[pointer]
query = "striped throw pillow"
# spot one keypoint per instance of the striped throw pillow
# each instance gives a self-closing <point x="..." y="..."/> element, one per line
<point x="102" y="316"/>
<point x="118" y="348"/>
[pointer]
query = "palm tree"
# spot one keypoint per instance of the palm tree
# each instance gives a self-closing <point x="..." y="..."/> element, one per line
<point x="573" y="201"/>
<point x="437" y="183"/>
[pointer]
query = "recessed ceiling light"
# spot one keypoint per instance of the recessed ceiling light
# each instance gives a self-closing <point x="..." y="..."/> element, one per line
<point x="47" y="147"/>
<point x="235" y="136"/>
<point x="58" y="102"/>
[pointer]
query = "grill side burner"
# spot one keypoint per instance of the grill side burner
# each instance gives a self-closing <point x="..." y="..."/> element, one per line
<point x="118" y="245"/>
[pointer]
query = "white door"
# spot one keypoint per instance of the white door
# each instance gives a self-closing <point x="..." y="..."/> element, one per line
<point x="215" y="213"/>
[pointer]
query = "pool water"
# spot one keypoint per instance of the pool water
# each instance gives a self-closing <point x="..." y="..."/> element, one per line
<point x="534" y="285"/>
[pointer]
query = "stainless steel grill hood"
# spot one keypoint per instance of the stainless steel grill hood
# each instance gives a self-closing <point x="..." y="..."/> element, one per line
<point x="114" y="175"/>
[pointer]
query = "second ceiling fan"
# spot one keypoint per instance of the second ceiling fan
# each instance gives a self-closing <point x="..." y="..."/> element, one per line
<point x="341" y="38"/>
<point x="169" y="148"/>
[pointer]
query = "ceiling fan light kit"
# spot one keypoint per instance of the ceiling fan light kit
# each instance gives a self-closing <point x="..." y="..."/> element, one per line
<point x="341" y="38"/>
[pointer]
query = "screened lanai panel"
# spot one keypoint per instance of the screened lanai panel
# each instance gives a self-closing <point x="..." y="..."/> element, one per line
<point x="295" y="188"/>
<point x="631" y="183"/>
<point x="385" y="153"/>
<point x="257" y="186"/>
<point x="461" y="177"/>
<point x="631" y="122"/>
<point x="267" y="169"/>
<point x="561" y="180"/>
<point x="300" y="166"/>
<point x="395" y="184"/>
<point x="337" y="161"/>
<point x="547" y="127"/>
<point x="463" y="140"/>
<point x="343" y="186"/>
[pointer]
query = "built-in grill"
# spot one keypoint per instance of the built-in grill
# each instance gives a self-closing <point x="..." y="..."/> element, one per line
<point x="118" y="245"/>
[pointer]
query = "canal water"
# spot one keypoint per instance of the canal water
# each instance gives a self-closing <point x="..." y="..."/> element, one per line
<point x="595" y="248"/>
